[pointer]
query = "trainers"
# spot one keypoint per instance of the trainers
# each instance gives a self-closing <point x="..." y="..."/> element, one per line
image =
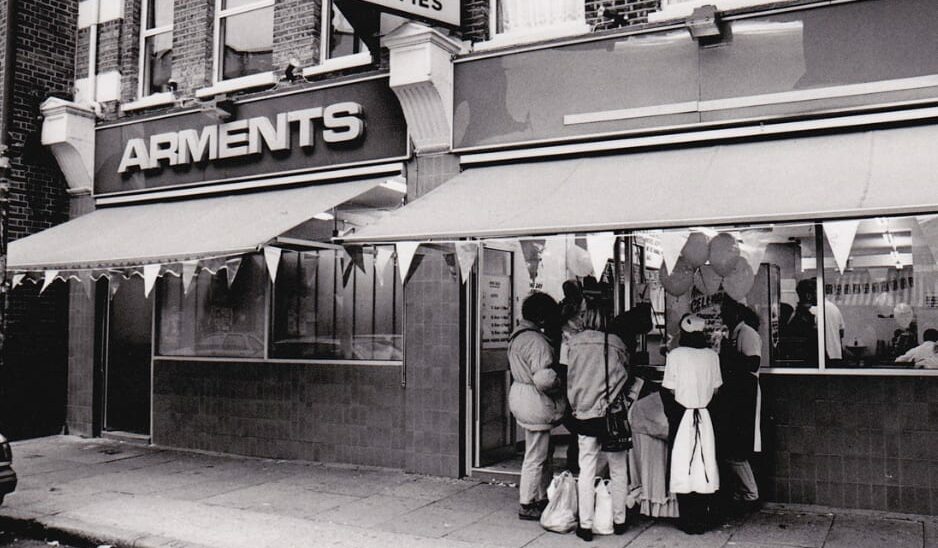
<point x="620" y="528"/>
<point x="585" y="534"/>
<point x="530" y="512"/>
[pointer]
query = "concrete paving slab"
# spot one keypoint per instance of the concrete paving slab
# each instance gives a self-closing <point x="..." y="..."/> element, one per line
<point x="430" y="522"/>
<point x="480" y="497"/>
<point x="861" y="532"/>
<point x="280" y="499"/>
<point x="370" y="511"/>
<point x="499" y="535"/>
<point x="667" y="535"/>
<point x="788" y="528"/>
<point x="428" y="488"/>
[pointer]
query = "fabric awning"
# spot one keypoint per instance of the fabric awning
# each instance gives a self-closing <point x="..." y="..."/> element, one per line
<point x="871" y="172"/>
<point x="177" y="230"/>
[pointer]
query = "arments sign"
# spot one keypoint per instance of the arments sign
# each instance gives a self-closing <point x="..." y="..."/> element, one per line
<point x="311" y="130"/>
<point x="442" y="11"/>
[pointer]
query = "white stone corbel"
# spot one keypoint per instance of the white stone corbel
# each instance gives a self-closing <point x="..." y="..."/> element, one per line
<point x="422" y="79"/>
<point x="68" y="129"/>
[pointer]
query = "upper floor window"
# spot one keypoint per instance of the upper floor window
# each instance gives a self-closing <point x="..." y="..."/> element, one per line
<point x="340" y="39"/>
<point x="528" y="20"/>
<point x="673" y="9"/>
<point x="156" y="47"/>
<point x="244" y="37"/>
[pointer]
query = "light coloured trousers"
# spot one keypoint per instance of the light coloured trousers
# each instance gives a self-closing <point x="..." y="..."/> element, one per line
<point x="744" y="484"/>
<point x="537" y="467"/>
<point x="618" y="473"/>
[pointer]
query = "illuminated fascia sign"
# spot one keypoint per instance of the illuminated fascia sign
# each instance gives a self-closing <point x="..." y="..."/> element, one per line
<point x="338" y="123"/>
<point x="443" y="11"/>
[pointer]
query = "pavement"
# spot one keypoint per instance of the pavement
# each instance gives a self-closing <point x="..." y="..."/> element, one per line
<point x="110" y="492"/>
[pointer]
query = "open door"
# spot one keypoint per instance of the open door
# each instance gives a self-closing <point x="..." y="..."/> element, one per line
<point x="128" y="357"/>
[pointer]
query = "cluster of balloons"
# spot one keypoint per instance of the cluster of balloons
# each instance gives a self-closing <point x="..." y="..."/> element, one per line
<point x="709" y="264"/>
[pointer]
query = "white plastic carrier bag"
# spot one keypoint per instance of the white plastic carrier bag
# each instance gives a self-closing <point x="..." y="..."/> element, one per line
<point x="560" y="514"/>
<point x="602" y="509"/>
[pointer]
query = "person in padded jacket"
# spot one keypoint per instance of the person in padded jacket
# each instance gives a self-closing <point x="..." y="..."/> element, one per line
<point x="535" y="398"/>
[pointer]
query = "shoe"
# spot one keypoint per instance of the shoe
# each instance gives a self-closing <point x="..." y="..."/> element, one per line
<point x="620" y="528"/>
<point x="540" y="504"/>
<point x="585" y="534"/>
<point x="530" y="512"/>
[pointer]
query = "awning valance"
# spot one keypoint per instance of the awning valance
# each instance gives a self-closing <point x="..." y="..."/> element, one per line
<point x="825" y="176"/>
<point x="173" y="231"/>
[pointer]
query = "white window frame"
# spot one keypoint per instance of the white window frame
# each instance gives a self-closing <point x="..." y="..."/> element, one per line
<point x="342" y="62"/>
<point x="144" y="34"/>
<point x="221" y="14"/>
<point x="672" y="9"/>
<point x="532" y="34"/>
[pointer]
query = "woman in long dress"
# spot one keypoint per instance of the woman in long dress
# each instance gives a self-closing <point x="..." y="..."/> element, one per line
<point x="692" y="372"/>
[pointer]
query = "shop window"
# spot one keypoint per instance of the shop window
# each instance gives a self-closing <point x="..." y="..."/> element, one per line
<point x="156" y="47"/>
<point x="244" y="37"/>
<point x="881" y="292"/>
<point x="327" y="308"/>
<point x="213" y="319"/>
<point x="520" y="20"/>
<point x="340" y="39"/>
<point x="769" y="269"/>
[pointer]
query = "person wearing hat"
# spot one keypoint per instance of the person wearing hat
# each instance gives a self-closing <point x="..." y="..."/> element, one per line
<point x="692" y="374"/>
<point x="535" y="398"/>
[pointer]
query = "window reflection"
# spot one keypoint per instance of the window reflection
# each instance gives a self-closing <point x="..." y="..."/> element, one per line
<point x="247" y="43"/>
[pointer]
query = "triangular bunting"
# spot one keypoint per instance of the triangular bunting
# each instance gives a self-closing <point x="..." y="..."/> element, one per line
<point x="188" y="273"/>
<point x="231" y="269"/>
<point x="310" y="262"/>
<point x="601" y="248"/>
<point x="405" y="255"/>
<point x="17" y="280"/>
<point x="531" y="249"/>
<point x="383" y="256"/>
<point x="466" y="255"/>
<point x="48" y="278"/>
<point x="672" y="241"/>
<point x="840" y="236"/>
<point x="357" y="255"/>
<point x="347" y="269"/>
<point x="272" y="258"/>
<point x="86" y="286"/>
<point x="150" y="273"/>
<point x="113" y="284"/>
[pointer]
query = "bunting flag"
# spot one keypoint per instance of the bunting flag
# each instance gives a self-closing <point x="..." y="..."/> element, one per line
<point x="347" y="272"/>
<point x="383" y="255"/>
<point x="840" y="235"/>
<point x="531" y="249"/>
<point x="357" y="255"/>
<point x="272" y="258"/>
<point x="113" y="284"/>
<point x="188" y="273"/>
<point x="48" y="278"/>
<point x="310" y="262"/>
<point x="466" y="255"/>
<point x="86" y="286"/>
<point x="672" y="241"/>
<point x="150" y="273"/>
<point x="753" y="247"/>
<point x="231" y="269"/>
<point x="17" y="280"/>
<point x="405" y="255"/>
<point x="601" y="248"/>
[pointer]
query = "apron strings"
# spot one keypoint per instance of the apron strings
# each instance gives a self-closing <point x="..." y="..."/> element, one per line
<point x="697" y="441"/>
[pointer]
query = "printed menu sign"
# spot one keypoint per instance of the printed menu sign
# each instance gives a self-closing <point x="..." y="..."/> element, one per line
<point x="496" y="311"/>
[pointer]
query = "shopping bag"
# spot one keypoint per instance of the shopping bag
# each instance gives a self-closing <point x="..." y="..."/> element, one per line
<point x="602" y="509"/>
<point x="560" y="514"/>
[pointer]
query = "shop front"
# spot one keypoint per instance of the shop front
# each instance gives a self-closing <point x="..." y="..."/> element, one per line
<point x="208" y="308"/>
<point x="780" y="166"/>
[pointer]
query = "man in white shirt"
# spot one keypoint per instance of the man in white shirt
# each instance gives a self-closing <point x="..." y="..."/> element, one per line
<point x="924" y="355"/>
<point x="833" y="330"/>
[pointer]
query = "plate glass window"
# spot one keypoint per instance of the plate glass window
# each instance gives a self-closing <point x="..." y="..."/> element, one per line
<point x="245" y="38"/>
<point x="340" y="35"/>
<point x="156" y="37"/>
<point x="514" y="16"/>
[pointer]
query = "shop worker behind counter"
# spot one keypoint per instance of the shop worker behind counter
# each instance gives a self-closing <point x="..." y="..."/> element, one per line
<point x="535" y="398"/>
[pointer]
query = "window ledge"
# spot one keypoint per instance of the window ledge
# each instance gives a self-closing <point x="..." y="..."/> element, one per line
<point x="259" y="80"/>
<point x="153" y="100"/>
<point x="684" y="9"/>
<point x="537" y="34"/>
<point x="339" y="63"/>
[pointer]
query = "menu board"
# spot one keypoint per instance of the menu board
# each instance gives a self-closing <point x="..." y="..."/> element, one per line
<point x="496" y="311"/>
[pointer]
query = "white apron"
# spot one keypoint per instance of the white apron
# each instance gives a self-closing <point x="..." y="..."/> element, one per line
<point x="694" y="457"/>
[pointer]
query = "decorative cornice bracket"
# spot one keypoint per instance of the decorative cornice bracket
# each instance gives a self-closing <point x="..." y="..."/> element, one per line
<point x="68" y="130"/>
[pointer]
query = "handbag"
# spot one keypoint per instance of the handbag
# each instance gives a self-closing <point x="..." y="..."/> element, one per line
<point x="618" y="434"/>
<point x="560" y="515"/>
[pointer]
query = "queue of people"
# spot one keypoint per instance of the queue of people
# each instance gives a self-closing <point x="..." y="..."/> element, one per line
<point x="698" y="426"/>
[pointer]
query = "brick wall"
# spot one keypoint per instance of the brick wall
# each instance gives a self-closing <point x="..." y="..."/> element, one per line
<point x="330" y="413"/>
<point x="130" y="50"/>
<point x="628" y="12"/>
<point x="475" y="20"/>
<point x="298" y="26"/>
<point x="854" y="442"/>
<point x="32" y="373"/>
<point x="192" y="44"/>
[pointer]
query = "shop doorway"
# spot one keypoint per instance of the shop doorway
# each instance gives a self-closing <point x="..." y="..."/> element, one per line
<point x="127" y="358"/>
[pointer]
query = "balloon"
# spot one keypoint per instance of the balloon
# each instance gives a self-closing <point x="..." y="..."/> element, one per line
<point x="884" y="305"/>
<point x="696" y="249"/>
<point x="724" y="250"/>
<point x="740" y="279"/>
<point x="578" y="261"/>
<point x="904" y="315"/>
<point x="706" y="280"/>
<point x="678" y="282"/>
